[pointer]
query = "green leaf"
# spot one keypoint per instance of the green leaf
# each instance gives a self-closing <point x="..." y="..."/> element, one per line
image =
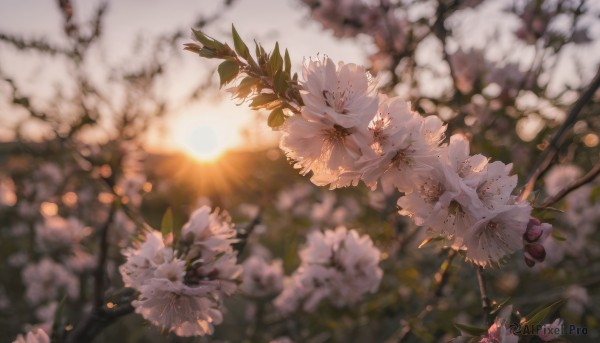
<point x="470" y="330"/>
<point x="556" y="235"/>
<point x="276" y="118"/>
<point x="245" y="87"/>
<point x="499" y="306"/>
<point x="537" y="316"/>
<point x="240" y="47"/>
<point x="193" y="47"/>
<point x="280" y="84"/>
<point x="288" y="64"/>
<point x="166" y="224"/>
<point x="276" y="61"/>
<point x="207" y="53"/>
<point x="257" y="50"/>
<point x="57" y="324"/>
<point x="228" y="70"/>
<point x="206" y="40"/>
<point x="263" y="99"/>
<point x="595" y="195"/>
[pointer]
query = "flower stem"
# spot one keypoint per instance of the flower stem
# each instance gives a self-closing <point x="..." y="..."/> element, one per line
<point x="485" y="300"/>
<point x="547" y="156"/>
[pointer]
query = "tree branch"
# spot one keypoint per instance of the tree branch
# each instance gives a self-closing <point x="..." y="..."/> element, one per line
<point x="547" y="156"/>
<point x="485" y="300"/>
<point x="441" y="277"/>
<point x="100" y="317"/>
<point x="589" y="177"/>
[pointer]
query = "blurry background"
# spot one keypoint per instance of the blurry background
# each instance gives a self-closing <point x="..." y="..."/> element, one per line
<point x="98" y="100"/>
<point x="136" y="39"/>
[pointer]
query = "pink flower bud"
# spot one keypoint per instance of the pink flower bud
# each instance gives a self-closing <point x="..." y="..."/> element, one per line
<point x="529" y="262"/>
<point x="536" y="252"/>
<point x="536" y="231"/>
<point x="533" y="233"/>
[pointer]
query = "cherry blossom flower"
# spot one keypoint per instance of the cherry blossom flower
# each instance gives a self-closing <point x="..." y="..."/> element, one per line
<point x="578" y="299"/>
<point x="337" y="265"/>
<point x="498" y="234"/>
<point x="330" y="134"/>
<point x="345" y="95"/>
<point x="404" y="143"/>
<point x="551" y="331"/>
<point x="180" y="289"/>
<point x="559" y="177"/>
<point x="56" y="232"/>
<point x="326" y="149"/>
<point x="261" y="276"/>
<point x="46" y="280"/>
<point x="167" y="302"/>
<point x="34" y="336"/>
<point x="467" y="66"/>
<point x="434" y="202"/>
<point x="499" y="333"/>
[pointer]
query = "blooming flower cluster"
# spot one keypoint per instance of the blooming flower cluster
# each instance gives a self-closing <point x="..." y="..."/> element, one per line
<point x="261" y="276"/>
<point x="346" y="132"/>
<point x="47" y="279"/>
<point x="338" y="265"/>
<point x="181" y="283"/>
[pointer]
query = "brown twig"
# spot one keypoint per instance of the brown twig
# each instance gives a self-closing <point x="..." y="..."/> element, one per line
<point x="589" y="177"/>
<point x="102" y="256"/>
<point x="99" y="319"/>
<point x="92" y="324"/>
<point x="547" y="156"/>
<point x="441" y="277"/>
<point x="485" y="299"/>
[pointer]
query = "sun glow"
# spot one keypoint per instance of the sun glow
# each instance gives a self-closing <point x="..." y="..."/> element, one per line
<point x="204" y="144"/>
<point x="208" y="136"/>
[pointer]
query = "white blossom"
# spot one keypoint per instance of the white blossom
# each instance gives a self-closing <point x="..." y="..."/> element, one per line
<point x="330" y="134"/>
<point x="327" y="149"/>
<point x="434" y="202"/>
<point x="337" y="265"/>
<point x="498" y="234"/>
<point x="34" y="336"/>
<point x="180" y="289"/>
<point x="405" y="144"/>
<point x="167" y="302"/>
<point x="143" y="259"/>
<point x="262" y="277"/>
<point x="210" y="233"/>
<point x="578" y="299"/>
<point x="468" y="66"/>
<point x="499" y="332"/>
<point x="559" y="177"/>
<point x="47" y="280"/>
<point x="56" y="232"/>
<point x="551" y="331"/>
<point x="345" y="95"/>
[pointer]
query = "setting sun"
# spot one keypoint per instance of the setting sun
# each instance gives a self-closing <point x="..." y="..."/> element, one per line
<point x="205" y="133"/>
<point x="204" y="144"/>
<point x="207" y="136"/>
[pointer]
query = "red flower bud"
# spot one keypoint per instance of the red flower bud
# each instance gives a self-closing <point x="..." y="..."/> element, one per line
<point x="529" y="262"/>
<point x="536" y="251"/>
<point x="533" y="233"/>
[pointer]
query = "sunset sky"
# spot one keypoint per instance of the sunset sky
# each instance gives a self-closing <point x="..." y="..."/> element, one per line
<point x="206" y="127"/>
<point x="214" y="124"/>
